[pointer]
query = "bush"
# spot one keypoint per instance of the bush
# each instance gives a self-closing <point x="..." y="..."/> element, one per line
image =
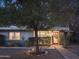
<point x="43" y="41"/>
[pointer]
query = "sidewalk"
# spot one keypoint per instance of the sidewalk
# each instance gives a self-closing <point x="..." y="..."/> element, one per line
<point x="66" y="53"/>
<point x="74" y="48"/>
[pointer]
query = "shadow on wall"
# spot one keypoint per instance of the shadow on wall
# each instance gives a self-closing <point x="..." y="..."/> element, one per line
<point x="2" y="40"/>
<point x="15" y="43"/>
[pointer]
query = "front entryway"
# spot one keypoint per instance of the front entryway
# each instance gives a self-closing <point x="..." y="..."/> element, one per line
<point x="2" y="40"/>
<point x="55" y="38"/>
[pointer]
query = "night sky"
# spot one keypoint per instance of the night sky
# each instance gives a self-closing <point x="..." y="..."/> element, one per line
<point x="2" y="3"/>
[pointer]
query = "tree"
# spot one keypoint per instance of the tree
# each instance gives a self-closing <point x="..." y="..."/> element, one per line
<point x="37" y="14"/>
<point x="44" y="13"/>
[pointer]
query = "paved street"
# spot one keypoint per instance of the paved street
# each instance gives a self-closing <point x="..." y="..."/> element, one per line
<point x="17" y="53"/>
<point x="55" y="52"/>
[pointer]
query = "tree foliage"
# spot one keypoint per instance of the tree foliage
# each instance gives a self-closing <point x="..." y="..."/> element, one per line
<point x="37" y="14"/>
<point x="22" y="11"/>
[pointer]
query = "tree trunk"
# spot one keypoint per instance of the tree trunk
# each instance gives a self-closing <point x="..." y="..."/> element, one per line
<point x="36" y="38"/>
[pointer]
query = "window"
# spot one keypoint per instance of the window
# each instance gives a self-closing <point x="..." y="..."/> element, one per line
<point x="14" y="35"/>
<point x="17" y="35"/>
<point x="11" y="35"/>
<point x="43" y="33"/>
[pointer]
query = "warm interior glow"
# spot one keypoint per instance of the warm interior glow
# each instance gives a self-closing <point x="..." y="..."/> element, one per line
<point x="44" y="33"/>
<point x="14" y="35"/>
<point x="17" y="35"/>
<point x="55" y="36"/>
<point x="11" y="35"/>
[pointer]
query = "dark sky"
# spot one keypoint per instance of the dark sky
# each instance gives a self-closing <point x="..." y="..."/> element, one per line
<point x="2" y="4"/>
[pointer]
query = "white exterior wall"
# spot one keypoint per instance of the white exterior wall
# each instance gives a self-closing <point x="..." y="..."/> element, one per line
<point x="5" y="34"/>
<point x="26" y="35"/>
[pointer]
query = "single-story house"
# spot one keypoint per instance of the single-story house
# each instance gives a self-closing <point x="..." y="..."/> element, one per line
<point x="14" y="36"/>
<point x="11" y="35"/>
<point x="55" y="34"/>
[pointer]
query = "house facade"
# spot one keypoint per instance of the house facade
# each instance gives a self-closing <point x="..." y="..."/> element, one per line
<point x="54" y="36"/>
<point x="14" y="36"/>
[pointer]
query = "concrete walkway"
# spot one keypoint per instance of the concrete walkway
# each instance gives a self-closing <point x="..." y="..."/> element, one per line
<point x="66" y="53"/>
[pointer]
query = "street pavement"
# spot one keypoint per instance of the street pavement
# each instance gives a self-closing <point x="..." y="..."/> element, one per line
<point x="54" y="52"/>
<point x="18" y="53"/>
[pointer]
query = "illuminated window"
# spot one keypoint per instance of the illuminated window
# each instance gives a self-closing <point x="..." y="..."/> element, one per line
<point x="14" y="35"/>
<point x="11" y="35"/>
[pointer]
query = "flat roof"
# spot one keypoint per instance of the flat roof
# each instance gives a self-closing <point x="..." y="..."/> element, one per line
<point x="11" y="28"/>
